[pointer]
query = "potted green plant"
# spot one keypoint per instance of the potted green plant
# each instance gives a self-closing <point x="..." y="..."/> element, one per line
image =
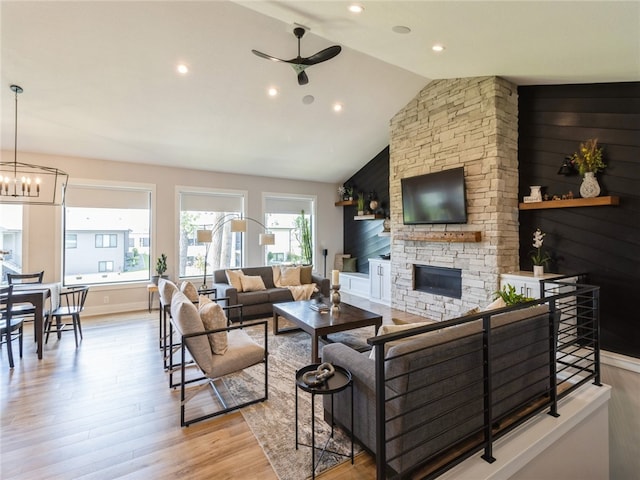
<point x="161" y="267"/>
<point x="588" y="161"/>
<point x="510" y="297"/>
<point x="361" y="203"/>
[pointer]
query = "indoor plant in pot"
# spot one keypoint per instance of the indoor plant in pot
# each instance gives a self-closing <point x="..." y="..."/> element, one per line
<point x="588" y="160"/>
<point x="539" y="256"/>
<point x="161" y="267"/>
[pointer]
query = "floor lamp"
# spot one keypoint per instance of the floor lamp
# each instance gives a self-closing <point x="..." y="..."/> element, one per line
<point x="205" y="236"/>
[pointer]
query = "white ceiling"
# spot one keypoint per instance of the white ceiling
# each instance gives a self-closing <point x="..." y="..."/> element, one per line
<point x="99" y="77"/>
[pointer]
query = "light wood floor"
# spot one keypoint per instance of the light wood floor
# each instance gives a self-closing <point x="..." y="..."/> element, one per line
<point x="105" y="411"/>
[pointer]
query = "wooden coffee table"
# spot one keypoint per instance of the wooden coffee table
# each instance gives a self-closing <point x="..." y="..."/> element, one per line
<point x="319" y="324"/>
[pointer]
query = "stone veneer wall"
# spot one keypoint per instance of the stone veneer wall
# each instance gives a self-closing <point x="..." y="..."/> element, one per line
<point x="470" y="122"/>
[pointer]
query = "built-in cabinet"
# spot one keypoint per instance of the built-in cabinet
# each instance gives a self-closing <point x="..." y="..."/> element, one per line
<point x="528" y="285"/>
<point x="354" y="283"/>
<point x="380" y="280"/>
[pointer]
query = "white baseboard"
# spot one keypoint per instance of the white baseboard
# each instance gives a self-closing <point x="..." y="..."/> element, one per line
<point x="620" y="361"/>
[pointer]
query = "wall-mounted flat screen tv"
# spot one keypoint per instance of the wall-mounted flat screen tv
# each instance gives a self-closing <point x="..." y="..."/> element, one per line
<point x="434" y="198"/>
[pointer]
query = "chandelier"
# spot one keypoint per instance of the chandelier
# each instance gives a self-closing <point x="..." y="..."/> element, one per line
<point x="24" y="183"/>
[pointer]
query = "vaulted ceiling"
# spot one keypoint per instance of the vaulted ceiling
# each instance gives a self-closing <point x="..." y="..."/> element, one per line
<point x="100" y="78"/>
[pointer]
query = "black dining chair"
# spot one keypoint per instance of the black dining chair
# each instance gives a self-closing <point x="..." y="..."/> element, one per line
<point x="8" y="324"/>
<point x="25" y="310"/>
<point x="70" y="305"/>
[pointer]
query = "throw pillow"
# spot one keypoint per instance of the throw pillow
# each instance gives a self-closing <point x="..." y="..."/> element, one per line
<point x="276" y="275"/>
<point x="350" y="264"/>
<point x="202" y="300"/>
<point x="305" y="274"/>
<point x="213" y="317"/>
<point x="497" y="303"/>
<point x="190" y="290"/>
<point x="385" y="329"/>
<point x="234" y="279"/>
<point x="289" y="276"/>
<point x="166" y="289"/>
<point x="252" y="283"/>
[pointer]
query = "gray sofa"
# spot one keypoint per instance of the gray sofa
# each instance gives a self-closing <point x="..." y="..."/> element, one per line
<point x="436" y="382"/>
<point x="258" y="304"/>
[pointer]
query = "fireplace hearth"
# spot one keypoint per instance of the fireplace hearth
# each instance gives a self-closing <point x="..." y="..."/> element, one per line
<point x="438" y="280"/>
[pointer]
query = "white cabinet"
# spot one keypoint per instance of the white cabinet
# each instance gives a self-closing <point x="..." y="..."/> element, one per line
<point x="380" y="280"/>
<point x="529" y="286"/>
<point x="354" y="283"/>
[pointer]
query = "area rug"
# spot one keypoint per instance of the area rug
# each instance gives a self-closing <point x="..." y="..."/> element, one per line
<point x="273" y="421"/>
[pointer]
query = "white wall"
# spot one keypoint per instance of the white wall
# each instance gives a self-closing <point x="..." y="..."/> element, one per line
<point x="43" y="225"/>
<point x="623" y="374"/>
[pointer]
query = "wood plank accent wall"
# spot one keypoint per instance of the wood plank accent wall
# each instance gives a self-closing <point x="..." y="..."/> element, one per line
<point x="603" y="241"/>
<point x="361" y="238"/>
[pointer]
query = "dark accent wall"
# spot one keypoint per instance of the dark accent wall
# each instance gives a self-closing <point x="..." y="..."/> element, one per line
<point x="602" y="241"/>
<point x="361" y="238"/>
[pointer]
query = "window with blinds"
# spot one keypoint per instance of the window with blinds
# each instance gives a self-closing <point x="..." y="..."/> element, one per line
<point x="291" y="219"/>
<point x="212" y="211"/>
<point x="105" y="228"/>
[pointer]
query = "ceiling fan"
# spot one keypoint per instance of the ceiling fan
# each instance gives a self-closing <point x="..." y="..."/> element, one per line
<point x="299" y="63"/>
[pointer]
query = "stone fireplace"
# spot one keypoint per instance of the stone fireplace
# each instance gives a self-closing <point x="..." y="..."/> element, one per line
<point x="469" y="122"/>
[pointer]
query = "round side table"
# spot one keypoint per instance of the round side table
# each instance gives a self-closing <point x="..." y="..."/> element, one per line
<point x="340" y="381"/>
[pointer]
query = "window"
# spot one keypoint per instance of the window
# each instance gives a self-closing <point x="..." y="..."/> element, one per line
<point x="71" y="240"/>
<point x="10" y="239"/>
<point x="211" y="210"/>
<point x="106" y="266"/>
<point x="106" y="240"/>
<point x="102" y="224"/>
<point x="291" y="219"/>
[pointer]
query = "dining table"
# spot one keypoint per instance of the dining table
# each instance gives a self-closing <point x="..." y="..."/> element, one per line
<point x="37" y="294"/>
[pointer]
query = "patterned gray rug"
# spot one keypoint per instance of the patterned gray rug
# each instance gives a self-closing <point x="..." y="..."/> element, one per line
<point x="273" y="421"/>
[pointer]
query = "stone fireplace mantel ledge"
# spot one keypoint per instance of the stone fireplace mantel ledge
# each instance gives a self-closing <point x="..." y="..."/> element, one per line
<point x="461" y="236"/>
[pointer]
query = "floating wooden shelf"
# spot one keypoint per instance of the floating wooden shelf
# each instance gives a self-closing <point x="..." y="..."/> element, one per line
<point x="457" y="237"/>
<point x="574" y="202"/>
<point x="369" y="217"/>
<point x="346" y="203"/>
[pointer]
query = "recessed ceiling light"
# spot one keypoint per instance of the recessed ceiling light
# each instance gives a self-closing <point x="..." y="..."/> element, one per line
<point x="437" y="47"/>
<point x="182" y="69"/>
<point x="337" y="107"/>
<point x="401" y="29"/>
<point x="355" y="8"/>
<point x="273" y="91"/>
<point x="308" y="99"/>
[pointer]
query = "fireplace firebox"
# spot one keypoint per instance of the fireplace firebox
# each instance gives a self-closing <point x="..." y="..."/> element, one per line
<point x="438" y="280"/>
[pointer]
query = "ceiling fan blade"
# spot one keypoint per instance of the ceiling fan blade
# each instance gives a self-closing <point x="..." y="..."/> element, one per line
<point x="268" y="57"/>
<point x="322" y="55"/>
<point x="302" y="78"/>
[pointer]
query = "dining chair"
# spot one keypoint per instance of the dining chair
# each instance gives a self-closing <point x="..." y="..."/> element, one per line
<point x="25" y="310"/>
<point x="70" y="305"/>
<point x="8" y="324"/>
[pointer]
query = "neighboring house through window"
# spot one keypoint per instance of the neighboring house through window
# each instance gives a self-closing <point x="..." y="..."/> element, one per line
<point x="10" y="239"/>
<point x="102" y="223"/>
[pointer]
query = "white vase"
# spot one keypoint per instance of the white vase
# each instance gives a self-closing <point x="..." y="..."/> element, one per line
<point x="590" y="187"/>
<point x="538" y="270"/>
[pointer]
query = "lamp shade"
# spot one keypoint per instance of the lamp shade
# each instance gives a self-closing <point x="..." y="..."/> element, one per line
<point x="238" y="225"/>
<point x="267" y="239"/>
<point x="204" y="236"/>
